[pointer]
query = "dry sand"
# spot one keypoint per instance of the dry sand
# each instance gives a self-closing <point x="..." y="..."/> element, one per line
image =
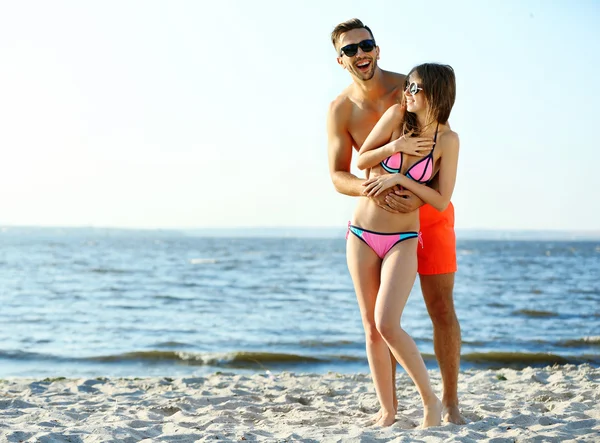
<point x="532" y="405"/>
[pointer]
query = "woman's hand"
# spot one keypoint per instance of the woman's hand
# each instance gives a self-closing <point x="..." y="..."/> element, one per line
<point x="375" y="186"/>
<point x="417" y="146"/>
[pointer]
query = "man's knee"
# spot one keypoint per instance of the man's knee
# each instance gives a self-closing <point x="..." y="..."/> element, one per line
<point x="437" y="292"/>
<point x="442" y="312"/>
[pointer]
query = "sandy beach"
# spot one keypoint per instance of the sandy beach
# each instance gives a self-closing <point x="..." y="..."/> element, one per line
<point x="532" y="405"/>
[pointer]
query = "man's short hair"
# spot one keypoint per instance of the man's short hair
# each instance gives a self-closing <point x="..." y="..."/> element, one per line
<point x="346" y="26"/>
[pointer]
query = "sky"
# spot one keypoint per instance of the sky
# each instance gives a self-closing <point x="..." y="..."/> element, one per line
<point x="198" y="114"/>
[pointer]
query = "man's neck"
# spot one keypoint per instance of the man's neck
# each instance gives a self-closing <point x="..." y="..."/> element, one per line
<point x="373" y="89"/>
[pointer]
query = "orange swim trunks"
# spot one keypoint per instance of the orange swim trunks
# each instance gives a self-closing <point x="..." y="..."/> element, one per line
<point x="438" y="252"/>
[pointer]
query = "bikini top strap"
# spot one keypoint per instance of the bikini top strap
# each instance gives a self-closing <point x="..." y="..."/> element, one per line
<point x="435" y="138"/>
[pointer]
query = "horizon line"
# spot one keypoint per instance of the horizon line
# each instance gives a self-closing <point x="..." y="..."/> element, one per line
<point x="296" y="227"/>
<point x="318" y="232"/>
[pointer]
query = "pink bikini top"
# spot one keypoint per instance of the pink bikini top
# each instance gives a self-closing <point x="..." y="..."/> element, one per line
<point x="421" y="171"/>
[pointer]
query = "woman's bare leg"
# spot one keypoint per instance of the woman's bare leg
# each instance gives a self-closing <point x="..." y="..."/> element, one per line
<point x="394" y="363"/>
<point x="398" y="273"/>
<point x="365" y="268"/>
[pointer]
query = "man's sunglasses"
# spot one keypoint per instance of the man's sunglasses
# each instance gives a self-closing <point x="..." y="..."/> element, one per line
<point x="352" y="49"/>
<point x="413" y="88"/>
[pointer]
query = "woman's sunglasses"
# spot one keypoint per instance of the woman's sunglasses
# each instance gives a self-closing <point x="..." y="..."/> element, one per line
<point x="352" y="49"/>
<point x="413" y="88"/>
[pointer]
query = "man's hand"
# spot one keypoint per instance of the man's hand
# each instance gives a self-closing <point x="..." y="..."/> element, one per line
<point x="402" y="201"/>
<point x="381" y="201"/>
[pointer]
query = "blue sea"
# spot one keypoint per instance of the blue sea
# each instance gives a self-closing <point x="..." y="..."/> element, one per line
<point x="101" y="302"/>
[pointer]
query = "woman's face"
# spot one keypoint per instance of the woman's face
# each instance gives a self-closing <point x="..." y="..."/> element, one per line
<point x="415" y="99"/>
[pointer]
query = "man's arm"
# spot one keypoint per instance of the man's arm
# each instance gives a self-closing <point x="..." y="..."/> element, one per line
<point x="339" y="146"/>
<point x="340" y="158"/>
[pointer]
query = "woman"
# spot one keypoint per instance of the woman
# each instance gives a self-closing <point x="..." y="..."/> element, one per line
<point x="382" y="250"/>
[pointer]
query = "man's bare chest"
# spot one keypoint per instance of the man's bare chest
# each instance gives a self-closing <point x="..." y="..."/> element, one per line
<point x="363" y="119"/>
<point x="361" y="124"/>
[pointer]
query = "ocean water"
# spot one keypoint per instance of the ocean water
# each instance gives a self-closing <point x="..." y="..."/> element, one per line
<point x="85" y="303"/>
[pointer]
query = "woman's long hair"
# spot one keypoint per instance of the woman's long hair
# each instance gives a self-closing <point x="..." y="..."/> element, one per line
<point x="439" y="87"/>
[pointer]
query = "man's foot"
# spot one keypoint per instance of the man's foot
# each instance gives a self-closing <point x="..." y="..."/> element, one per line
<point x="386" y="419"/>
<point x="451" y="414"/>
<point x="432" y="414"/>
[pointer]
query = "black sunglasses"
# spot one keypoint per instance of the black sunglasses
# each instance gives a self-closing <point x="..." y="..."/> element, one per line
<point x="352" y="49"/>
<point x="413" y="88"/>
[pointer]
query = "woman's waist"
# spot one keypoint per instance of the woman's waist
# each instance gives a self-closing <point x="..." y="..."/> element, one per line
<point x="369" y="215"/>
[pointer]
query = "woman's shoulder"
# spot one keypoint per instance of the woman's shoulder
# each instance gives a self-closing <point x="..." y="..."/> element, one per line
<point x="447" y="142"/>
<point x="396" y="111"/>
<point x="448" y="137"/>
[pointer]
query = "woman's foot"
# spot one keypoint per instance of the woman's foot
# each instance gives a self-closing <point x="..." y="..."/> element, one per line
<point x="377" y="416"/>
<point x="432" y="413"/>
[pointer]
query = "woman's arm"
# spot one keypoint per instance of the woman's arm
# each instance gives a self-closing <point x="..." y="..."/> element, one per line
<point x="446" y="176"/>
<point x="377" y="147"/>
<point x="384" y="140"/>
<point x="449" y="143"/>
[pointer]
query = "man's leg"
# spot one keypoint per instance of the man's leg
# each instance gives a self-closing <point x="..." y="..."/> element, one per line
<point x="437" y="292"/>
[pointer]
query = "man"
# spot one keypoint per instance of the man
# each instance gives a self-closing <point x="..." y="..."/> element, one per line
<point x="352" y="115"/>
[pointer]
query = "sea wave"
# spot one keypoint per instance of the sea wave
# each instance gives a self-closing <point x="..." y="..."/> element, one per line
<point x="580" y="343"/>
<point x="534" y="313"/>
<point x="229" y="359"/>
<point x="203" y="261"/>
<point x="256" y="360"/>
<point x="524" y="359"/>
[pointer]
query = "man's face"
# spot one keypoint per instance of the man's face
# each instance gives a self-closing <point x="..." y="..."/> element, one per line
<point x="363" y="64"/>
